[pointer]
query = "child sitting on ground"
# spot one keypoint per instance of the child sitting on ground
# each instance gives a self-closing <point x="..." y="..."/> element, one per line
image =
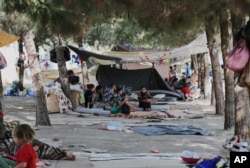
<point x="89" y="96"/>
<point x="121" y="104"/>
<point x="144" y="99"/>
<point x="186" y="91"/>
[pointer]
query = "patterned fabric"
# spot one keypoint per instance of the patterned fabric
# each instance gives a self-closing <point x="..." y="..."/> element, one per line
<point x="64" y="103"/>
<point x="238" y="58"/>
<point x="107" y="95"/>
<point x="44" y="151"/>
<point x="48" y="152"/>
<point x="6" y="141"/>
<point x="9" y="126"/>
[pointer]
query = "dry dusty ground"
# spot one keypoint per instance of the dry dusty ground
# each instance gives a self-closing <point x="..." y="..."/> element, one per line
<point x="85" y="132"/>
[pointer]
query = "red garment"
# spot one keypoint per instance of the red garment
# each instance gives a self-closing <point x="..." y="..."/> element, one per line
<point x="185" y="90"/>
<point x="26" y="154"/>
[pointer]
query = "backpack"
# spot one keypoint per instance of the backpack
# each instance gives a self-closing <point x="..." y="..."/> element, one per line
<point x="3" y="62"/>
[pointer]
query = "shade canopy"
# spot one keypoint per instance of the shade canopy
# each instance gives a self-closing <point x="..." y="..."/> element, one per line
<point x="6" y="38"/>
<point x="199" y="45"/>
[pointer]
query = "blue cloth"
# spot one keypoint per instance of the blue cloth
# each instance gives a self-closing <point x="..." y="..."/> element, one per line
<point x="151" y="130"/>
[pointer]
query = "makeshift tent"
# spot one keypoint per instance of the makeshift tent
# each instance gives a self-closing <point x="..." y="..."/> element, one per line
<point x="133" y="79"/>
<point x="199" y="45"/>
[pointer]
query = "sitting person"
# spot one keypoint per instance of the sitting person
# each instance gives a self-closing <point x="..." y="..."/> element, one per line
<point x="185" y="90"/>
<point x="98" y="93"/>
<point x="107" y="95"/>
<point x="144" y="99"/>
<point x="121" y="104"/>
<point x="98" y="98"/>
<point x="172" y="74"/>
<point x="72" y="79"/>
<point x="175" y="83"/>
<point x="89" y="96"/>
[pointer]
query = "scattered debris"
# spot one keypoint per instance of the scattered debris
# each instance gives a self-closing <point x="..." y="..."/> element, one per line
<point x="94" y="150"/>
<point x="154" y="150"/>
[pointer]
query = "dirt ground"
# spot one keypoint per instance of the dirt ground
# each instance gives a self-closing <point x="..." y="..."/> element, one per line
<point x="84" y="133"/>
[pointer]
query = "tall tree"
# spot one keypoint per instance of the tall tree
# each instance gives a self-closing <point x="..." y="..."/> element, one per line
<point x="217" y="83"/>
<point x="20" y="62"/>
<point x="226" y="46"/>
<point x="62" y="66"/>
<point x="42" y="117"/>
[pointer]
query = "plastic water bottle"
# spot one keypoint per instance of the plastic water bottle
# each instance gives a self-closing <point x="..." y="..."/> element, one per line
<point x="114" y="126"/>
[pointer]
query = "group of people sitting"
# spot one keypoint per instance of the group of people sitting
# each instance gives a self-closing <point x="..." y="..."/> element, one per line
<point x="114" y="99"/>
<point x="186" y="84"/>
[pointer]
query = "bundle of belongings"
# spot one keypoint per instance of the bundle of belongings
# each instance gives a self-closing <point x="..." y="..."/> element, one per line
<point x="64" y="103"/>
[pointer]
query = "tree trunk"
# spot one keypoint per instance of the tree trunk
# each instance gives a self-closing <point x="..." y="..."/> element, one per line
<point x="42" y="117"/>
<point x="206" y="82"/>
<point x="21" y="67"/>
<point x="219" y="98"/>
<point x="241" y="117"/>
<point x="212" y="103"/>
<point x="226" y="45"/>
<point x="194" y="63"/>
<point x="62" y="67"/>
<point x="1" y="107"/>
<point x="200" y="70"/>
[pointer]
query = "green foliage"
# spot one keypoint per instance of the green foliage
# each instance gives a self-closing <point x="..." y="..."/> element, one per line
<point x="155" y="23"/>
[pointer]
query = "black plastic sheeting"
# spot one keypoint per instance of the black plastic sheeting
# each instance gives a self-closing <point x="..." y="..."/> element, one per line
<point x="134" y="79"/>
<point x="152" y="130"/>
<point x="84" y="55"/>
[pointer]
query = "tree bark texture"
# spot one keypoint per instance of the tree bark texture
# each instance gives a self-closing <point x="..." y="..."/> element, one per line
<point x="212" y="103"/>
<point x="206" y="82"/>
<point x="226" y="46"/>
<point x="1" y="126"/>
<point x="200" y="71"/>
<point x="1" y="107"/>
<point x="42" y="117"/>
<point x="62" y="67"/>
<point x="218" y="90"/>
<point x="21" y="67"/>
<point x="242" y="114"/>
<point x="194" y="63"/>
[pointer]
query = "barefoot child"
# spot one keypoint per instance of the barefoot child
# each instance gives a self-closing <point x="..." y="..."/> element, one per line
<point x="26" y="157"/>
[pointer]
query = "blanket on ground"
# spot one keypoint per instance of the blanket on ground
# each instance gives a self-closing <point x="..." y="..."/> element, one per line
<point x="140" y="114"/>
<point x="169" y="130"/>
